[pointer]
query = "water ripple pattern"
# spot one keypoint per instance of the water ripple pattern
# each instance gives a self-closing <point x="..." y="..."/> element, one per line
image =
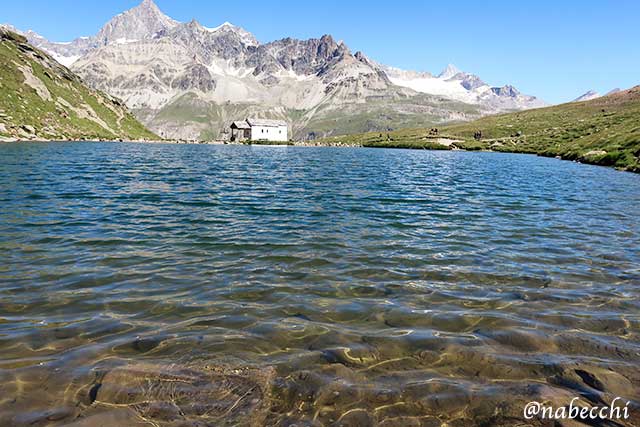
<point x="334" y="286"/>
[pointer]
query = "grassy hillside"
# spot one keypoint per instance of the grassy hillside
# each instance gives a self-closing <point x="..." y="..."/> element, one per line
<point x="41" y="99"/>
<point x="603" y="131"/>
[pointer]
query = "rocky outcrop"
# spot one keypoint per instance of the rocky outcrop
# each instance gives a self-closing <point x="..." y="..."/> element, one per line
<point x="195" y="77"/>
<point x="469" y="81"/>
<point x="508" y="91"/>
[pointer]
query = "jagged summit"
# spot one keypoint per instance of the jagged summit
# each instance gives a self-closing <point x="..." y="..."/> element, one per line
<point x="149" y="6"/>
<point x="506" y="91"/>
<point x="141" y="22"/>
<point x="450" y="71"/>
<point x="224" y="25"/>
<point x="219" y="38"/>
<point x="244" y="35"/>
<point x="160" y="66"/>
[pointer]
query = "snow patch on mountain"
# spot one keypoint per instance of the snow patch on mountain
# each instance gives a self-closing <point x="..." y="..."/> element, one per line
<point x="153" y="62"/>
<point x="67" y="61"/>
<point x="465" y="87"/>
<point x="436" y="86"/>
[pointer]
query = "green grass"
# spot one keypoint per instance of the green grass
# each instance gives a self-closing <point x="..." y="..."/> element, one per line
<point x="604" y="131"/>
<point x="21" y="105"/>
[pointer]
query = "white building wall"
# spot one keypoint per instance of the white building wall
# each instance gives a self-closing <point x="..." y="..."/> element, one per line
<point x="269" y="133"/>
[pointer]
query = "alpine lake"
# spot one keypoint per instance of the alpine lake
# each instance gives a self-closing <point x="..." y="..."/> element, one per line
<point x="197" y="285"/>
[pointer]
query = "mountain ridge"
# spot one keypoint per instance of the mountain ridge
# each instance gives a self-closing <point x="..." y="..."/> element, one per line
<point x="185" y="80"/>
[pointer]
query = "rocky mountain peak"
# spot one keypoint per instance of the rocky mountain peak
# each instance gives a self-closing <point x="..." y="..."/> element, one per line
<point x="469" y="81"/>
<point x="141" y="22"/>
<point x="506" y="91"/>
<point x="336" y="49"/>
<point x="328" y="39"/>
<point x="243" y="35"/>
<point x="148" y="7"/>
<point x="154" y="63"/>
<point x="364" y="59"/>
<point x="148" y="4"/>
<point x="194" y="25"/>
<point x="466" y="80"/>
<point x="450" y="71"/>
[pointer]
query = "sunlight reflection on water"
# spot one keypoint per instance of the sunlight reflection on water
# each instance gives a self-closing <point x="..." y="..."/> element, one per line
<point x="315" y="286"/>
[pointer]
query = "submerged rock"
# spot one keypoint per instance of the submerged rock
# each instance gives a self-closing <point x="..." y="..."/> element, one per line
<point x="173" y="395"/>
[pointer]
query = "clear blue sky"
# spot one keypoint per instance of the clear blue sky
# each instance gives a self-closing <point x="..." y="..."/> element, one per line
<point x="553" y="49"/>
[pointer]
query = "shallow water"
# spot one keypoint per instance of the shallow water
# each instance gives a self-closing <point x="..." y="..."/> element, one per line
<point x="311" y="286"/>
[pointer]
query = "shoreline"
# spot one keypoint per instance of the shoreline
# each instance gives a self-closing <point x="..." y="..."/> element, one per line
<point x="312" y="144"/>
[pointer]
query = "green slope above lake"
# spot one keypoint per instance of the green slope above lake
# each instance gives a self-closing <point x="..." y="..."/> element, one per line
<point x="604" y="131"/>
<point x="42" y="100"/>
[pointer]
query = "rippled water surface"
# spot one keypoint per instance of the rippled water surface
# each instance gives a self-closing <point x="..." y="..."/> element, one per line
<point x="204" y="285"/>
